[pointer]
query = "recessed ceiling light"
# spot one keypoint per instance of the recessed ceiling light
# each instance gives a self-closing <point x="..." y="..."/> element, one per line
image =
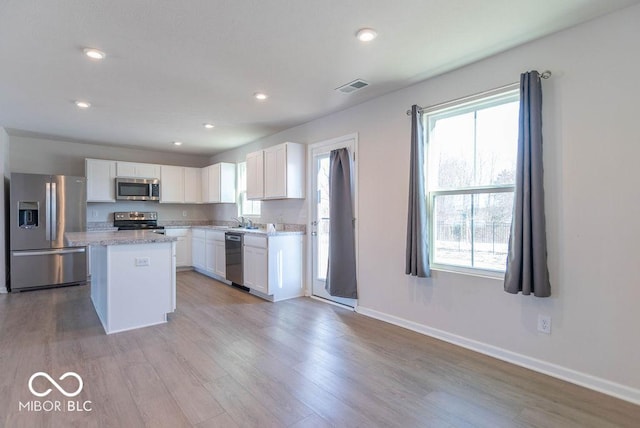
<point x="177" y="143"/>
<point x="260" y="96"/>
<point x="366" y="34"/>
<point x="94" y="53"/>
<point x="82" y="104"/>
<point x="209" y="125"/>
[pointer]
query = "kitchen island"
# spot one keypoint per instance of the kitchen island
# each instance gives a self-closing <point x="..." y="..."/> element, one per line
<point x="133" y="281"/>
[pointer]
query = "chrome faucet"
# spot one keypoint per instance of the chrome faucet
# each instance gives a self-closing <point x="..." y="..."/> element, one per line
<point x="240" y="220"/>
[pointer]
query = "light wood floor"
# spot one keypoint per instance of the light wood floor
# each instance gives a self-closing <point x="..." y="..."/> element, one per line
<point x="229" y="359"/>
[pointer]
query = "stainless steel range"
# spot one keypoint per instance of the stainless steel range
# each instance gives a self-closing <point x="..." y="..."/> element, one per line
<point x="136" y="220"/>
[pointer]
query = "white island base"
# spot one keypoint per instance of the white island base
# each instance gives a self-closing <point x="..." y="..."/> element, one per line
<point x="133" y="286"/>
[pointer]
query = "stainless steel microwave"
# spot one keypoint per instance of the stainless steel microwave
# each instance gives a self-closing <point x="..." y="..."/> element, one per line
<point x="138" y="189"/>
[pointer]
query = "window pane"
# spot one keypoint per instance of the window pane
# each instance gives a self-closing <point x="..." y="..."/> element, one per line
<point x="451" y="142"/>
<point x="496" y="144"/>
<point x="452" y="230"/>
<point x="491" y="227"/>
<point x="242" y="176"/>
<point x="472" y="147"/>
<point x="322" y="210"/>
<point x="245" y="206"/>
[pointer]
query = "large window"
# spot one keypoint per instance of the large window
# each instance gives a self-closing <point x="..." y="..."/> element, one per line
<point x="245" y="206"/>
<point x="471" y="162"/>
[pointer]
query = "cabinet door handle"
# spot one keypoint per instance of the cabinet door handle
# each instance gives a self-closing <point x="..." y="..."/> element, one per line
<point x="314" y="233"/>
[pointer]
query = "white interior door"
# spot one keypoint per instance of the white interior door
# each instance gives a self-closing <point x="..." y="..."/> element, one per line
<point x="319" y="200"/>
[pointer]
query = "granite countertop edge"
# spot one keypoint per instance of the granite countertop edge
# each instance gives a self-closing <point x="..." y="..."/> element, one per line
<point x="259" y="232"/>
<point x="106" y="238"/>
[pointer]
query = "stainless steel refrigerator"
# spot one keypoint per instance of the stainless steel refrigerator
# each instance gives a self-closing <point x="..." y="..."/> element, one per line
<point x="42" y="208"/>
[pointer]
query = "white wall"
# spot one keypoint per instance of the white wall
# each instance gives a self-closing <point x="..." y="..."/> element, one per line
<point x="591" y="150"/>
<point x="4" y="172"/>
<point x="46" y="156"/>
<point x="292" y="211"/>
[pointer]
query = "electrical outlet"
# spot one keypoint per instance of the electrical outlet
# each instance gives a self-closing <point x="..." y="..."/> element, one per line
<point x="94" y="213"/>
<point x="184" y="213"/>
<point x="143" y="261"/>
<point x="544" y="324"/>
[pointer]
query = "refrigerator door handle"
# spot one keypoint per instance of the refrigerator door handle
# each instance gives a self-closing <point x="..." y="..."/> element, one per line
<point x="49" y="252"/>
<point x="54" y="212"/>
<point x="47" y="212"/>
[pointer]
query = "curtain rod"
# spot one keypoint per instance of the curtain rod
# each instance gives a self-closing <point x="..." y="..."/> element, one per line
<point x="544" y="75"/>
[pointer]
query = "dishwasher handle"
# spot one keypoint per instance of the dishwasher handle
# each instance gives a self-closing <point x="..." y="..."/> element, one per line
<point x="236" y="238"/>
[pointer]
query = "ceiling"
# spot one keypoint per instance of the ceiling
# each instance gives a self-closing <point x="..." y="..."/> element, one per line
<point x="174" y="65"/>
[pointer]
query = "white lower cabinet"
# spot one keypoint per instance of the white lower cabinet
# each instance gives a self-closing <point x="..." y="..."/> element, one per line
<point x="183" y="246"/>
<point x="273" y="266"/>
<point x="198" y="249"/>
<point x="220" y="259"/>
<point x="207" y="252"/>
<point x="255" y="262"/>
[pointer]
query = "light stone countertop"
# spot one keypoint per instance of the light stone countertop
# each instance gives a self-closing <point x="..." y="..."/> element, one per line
<point x="123" y="237"/>
<point x="260" y="232"/>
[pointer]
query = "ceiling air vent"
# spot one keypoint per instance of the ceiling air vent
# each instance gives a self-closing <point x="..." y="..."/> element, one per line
<point x="352" y="86"/>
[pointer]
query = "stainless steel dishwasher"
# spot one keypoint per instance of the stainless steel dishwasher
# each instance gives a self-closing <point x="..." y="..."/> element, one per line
<point x="233" y="253"/>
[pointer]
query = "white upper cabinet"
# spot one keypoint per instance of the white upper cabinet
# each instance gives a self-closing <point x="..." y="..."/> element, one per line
<point x="180" y="185"/>
<point x="255" y="175"/>
<point x="100" y="180"/>
<point x="137" y="170"/>
<point x="172" y="184"/>
<point x="214" y="183"/>
<point x="219" y="183"/>
<point x="282" y="174"/>
<point x="192" y="185"/>
<point x="275" y="172"/>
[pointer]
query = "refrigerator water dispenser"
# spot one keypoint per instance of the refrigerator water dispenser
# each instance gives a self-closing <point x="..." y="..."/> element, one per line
<point x="28" y="214"/>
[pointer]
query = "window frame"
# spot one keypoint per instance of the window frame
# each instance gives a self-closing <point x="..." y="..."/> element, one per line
<point x="456" y="107"/>
<point x="241" y="195"/>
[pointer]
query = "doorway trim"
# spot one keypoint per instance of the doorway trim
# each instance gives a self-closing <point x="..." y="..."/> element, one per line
<point x="331" y="144"/>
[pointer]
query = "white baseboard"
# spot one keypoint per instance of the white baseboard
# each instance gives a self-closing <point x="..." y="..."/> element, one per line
<point x="583" y="379"/>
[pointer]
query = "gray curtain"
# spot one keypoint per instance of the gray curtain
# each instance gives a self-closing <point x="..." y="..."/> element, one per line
<point x="341" y="272"/>
<point x="417" y="253"/>
<point x="527" y="257"/>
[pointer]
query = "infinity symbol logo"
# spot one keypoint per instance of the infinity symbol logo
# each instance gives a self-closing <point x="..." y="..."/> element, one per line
<point x="54" y="383"/>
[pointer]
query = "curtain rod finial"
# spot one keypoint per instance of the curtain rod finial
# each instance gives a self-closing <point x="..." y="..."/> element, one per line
<point x="545" y="74"/>
<point x="419" y="111"/>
